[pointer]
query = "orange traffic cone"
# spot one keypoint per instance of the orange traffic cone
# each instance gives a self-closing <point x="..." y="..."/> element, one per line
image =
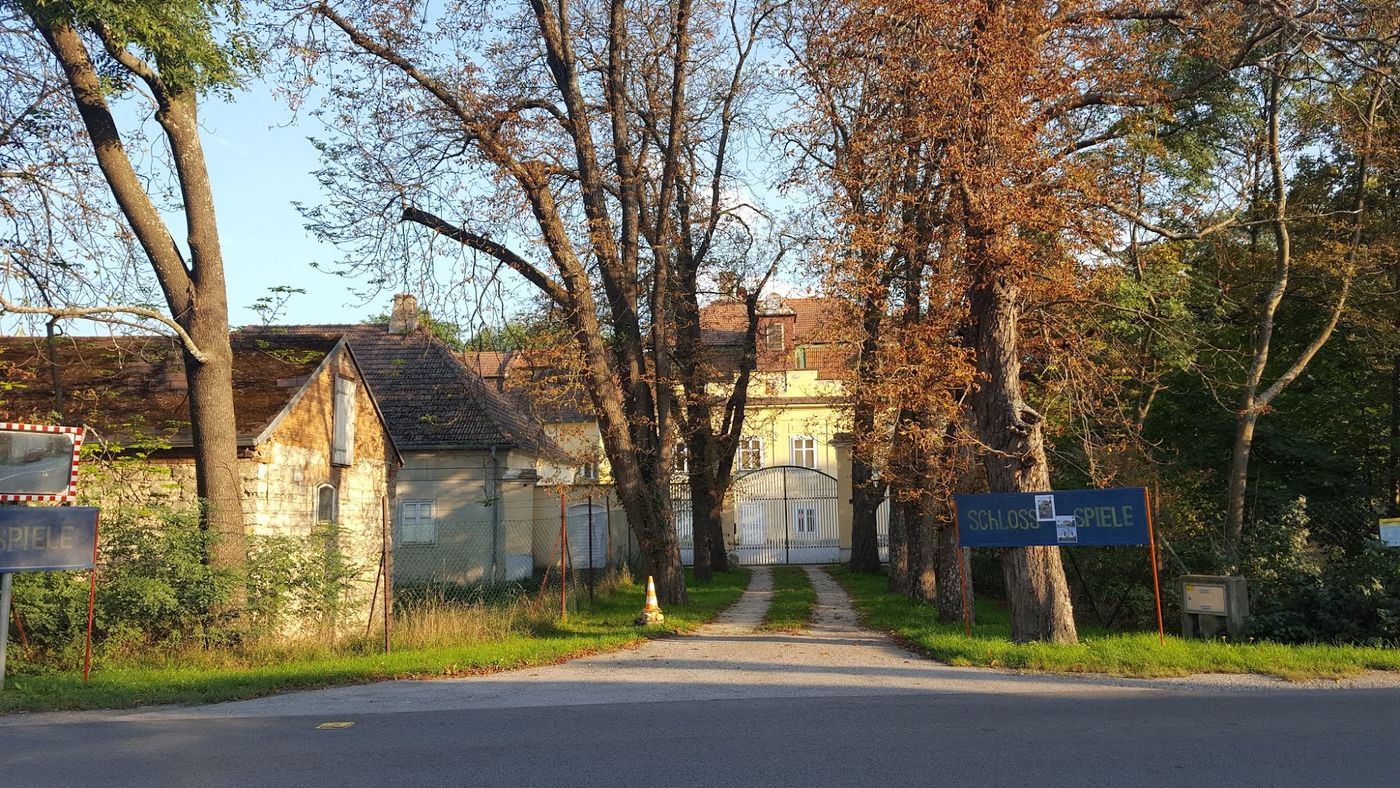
<point x="651" y="612"/>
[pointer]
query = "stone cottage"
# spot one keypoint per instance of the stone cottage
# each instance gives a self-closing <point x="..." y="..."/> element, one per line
<point x="313" y="445"/>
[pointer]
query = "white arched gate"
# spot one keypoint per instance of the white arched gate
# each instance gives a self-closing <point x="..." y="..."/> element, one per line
<point x="882" y="529"/>
<point x="786" y="515"/>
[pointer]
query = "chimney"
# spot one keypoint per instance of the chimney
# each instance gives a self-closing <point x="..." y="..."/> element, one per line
<point x="403" y="319"/>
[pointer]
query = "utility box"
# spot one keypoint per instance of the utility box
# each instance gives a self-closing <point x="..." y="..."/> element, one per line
<point x="1212" y="604"/>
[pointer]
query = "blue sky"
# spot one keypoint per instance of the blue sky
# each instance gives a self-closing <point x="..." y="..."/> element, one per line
<point x="260" y="162"/>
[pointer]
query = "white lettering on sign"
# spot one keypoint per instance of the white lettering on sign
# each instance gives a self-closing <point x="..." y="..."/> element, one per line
<point x="1205" y="599"/>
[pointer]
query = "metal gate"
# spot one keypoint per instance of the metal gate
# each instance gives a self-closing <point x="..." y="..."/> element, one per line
<point x="786" y="515"/>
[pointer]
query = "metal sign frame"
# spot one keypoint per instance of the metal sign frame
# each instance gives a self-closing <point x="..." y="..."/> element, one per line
<point x="1052" y="516"/>
<point x="77" y="433"/>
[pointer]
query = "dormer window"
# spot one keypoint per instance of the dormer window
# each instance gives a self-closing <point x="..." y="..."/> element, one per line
<point x="773" y="336"/>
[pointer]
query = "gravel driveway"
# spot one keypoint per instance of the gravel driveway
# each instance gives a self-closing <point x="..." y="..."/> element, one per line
<point x="727" y="659"/>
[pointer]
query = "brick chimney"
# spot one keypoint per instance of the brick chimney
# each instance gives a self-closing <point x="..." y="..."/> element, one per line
<point x="403" y="319"/>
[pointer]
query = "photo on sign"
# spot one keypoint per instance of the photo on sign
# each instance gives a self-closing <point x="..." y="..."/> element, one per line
<point x="1045" y="507"/>
<point x="1065" y="530"/>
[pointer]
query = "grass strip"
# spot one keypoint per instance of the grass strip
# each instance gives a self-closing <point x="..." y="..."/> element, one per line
<point x="1137" y="654"/>
<point x="605" y="625"/>
<point x="793" y="600"/>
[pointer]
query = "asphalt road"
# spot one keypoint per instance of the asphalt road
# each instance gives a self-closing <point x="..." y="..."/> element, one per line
<point x="734" y="707"/>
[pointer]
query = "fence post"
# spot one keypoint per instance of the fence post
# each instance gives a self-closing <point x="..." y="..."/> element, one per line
<point x="384" y="557"/>
<point x="590" y="550"/>
<point x="563" y="556"/>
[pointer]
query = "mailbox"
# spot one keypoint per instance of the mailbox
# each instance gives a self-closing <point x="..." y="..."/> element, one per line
<point x="1211" y="604"/>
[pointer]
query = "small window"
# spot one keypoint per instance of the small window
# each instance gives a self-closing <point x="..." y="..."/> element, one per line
<point x="804" y="451"/>
<point x="587" y="472"/>
<point x="801" y="354"/>
<point x="680" y="463"/>
<point x="326" y="504"/>
<point x="416" y="523"/>
<point x="773" y="336"/>
<point x="750" y="454"/>
<point x="343" y="423"/>
<point x="804" y="521"/>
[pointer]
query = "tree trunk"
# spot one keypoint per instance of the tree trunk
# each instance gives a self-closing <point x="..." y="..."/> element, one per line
<point x="898" y="577"/>
<point x="1015" y="461"/>
<point x="195" y="292"/>
<point x="954" y="578"/>
<point x="217" y="479"/>
<point x="1239" y="479"/>
<point x="866" y="495"/>
<point x="923" y="550"/>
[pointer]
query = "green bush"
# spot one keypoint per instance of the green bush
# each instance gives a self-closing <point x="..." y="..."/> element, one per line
<point x="157" y="593"/>
<point x="1305" y="591"/>
<point x="155" y="589"/>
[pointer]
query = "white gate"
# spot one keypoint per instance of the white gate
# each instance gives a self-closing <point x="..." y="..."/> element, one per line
<point x="786" y="515"/>
<point x="882" y="529"/>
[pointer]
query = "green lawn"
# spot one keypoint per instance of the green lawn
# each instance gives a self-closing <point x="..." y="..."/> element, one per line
<point x="1118" y="654"/>
<point x="793" y="600"/>
<point x="605" y="625"/>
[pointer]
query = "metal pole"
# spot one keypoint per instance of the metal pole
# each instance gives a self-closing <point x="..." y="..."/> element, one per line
<point x="787" y="521"/>
<point x="6" y="585"/>
<point x="1156" y="583"/>
<point x="563" y="557"/>
<point x="590" y="549"/>
<point x="92" y="598"/>
<point x="962" y="572"/>
<point x="384" y="562"/>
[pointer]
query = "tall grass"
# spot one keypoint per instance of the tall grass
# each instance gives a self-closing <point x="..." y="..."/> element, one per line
<point x="432" y="638"/>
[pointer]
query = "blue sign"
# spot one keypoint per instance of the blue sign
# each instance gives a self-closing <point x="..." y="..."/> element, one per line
<point x="37" y="539"/>
<point x="1092" y="518"/>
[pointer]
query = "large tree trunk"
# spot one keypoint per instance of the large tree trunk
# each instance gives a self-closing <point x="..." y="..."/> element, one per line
<point x="923" y="550"/>
<point x="866" y="497"/>
<point x="955" y="580"/>
<point x="701" y="497"/>
<point x="217" y="479"/>
<point x="1015" y="460"/>
<point x="898" y="570"/>
<point x="866" y="494"/>
<point x="195" y="292"/>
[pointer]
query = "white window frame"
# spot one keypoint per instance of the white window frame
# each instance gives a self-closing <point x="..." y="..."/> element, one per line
<point x="316" y="518"/>
<point x="756" y="453"/>
<point x="588" y="472"/>
<point x="680" y="460"/>
<point x="793" y="450"/>
<point x="417" y="531"/>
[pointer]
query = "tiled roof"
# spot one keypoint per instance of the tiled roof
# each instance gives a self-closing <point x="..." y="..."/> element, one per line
<point x="430" y="398"/>
<point x="723" y="322"/>
<point x="134" y="387"/>
<point x="533" y="380"/>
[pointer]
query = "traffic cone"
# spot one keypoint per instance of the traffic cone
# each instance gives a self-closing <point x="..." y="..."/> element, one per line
<point x="651" y="612"/>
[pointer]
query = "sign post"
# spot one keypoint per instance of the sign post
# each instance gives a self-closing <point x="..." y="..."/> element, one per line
<point x="1084" y="518"/>
<point x="39" y="464"/>
<point x="34" y="539"/>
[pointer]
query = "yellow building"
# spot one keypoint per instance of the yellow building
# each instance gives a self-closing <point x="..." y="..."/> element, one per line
<point x="786" y="503"/>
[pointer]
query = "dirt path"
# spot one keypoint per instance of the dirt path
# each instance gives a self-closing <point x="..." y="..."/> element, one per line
<point x="727" y="659"/>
